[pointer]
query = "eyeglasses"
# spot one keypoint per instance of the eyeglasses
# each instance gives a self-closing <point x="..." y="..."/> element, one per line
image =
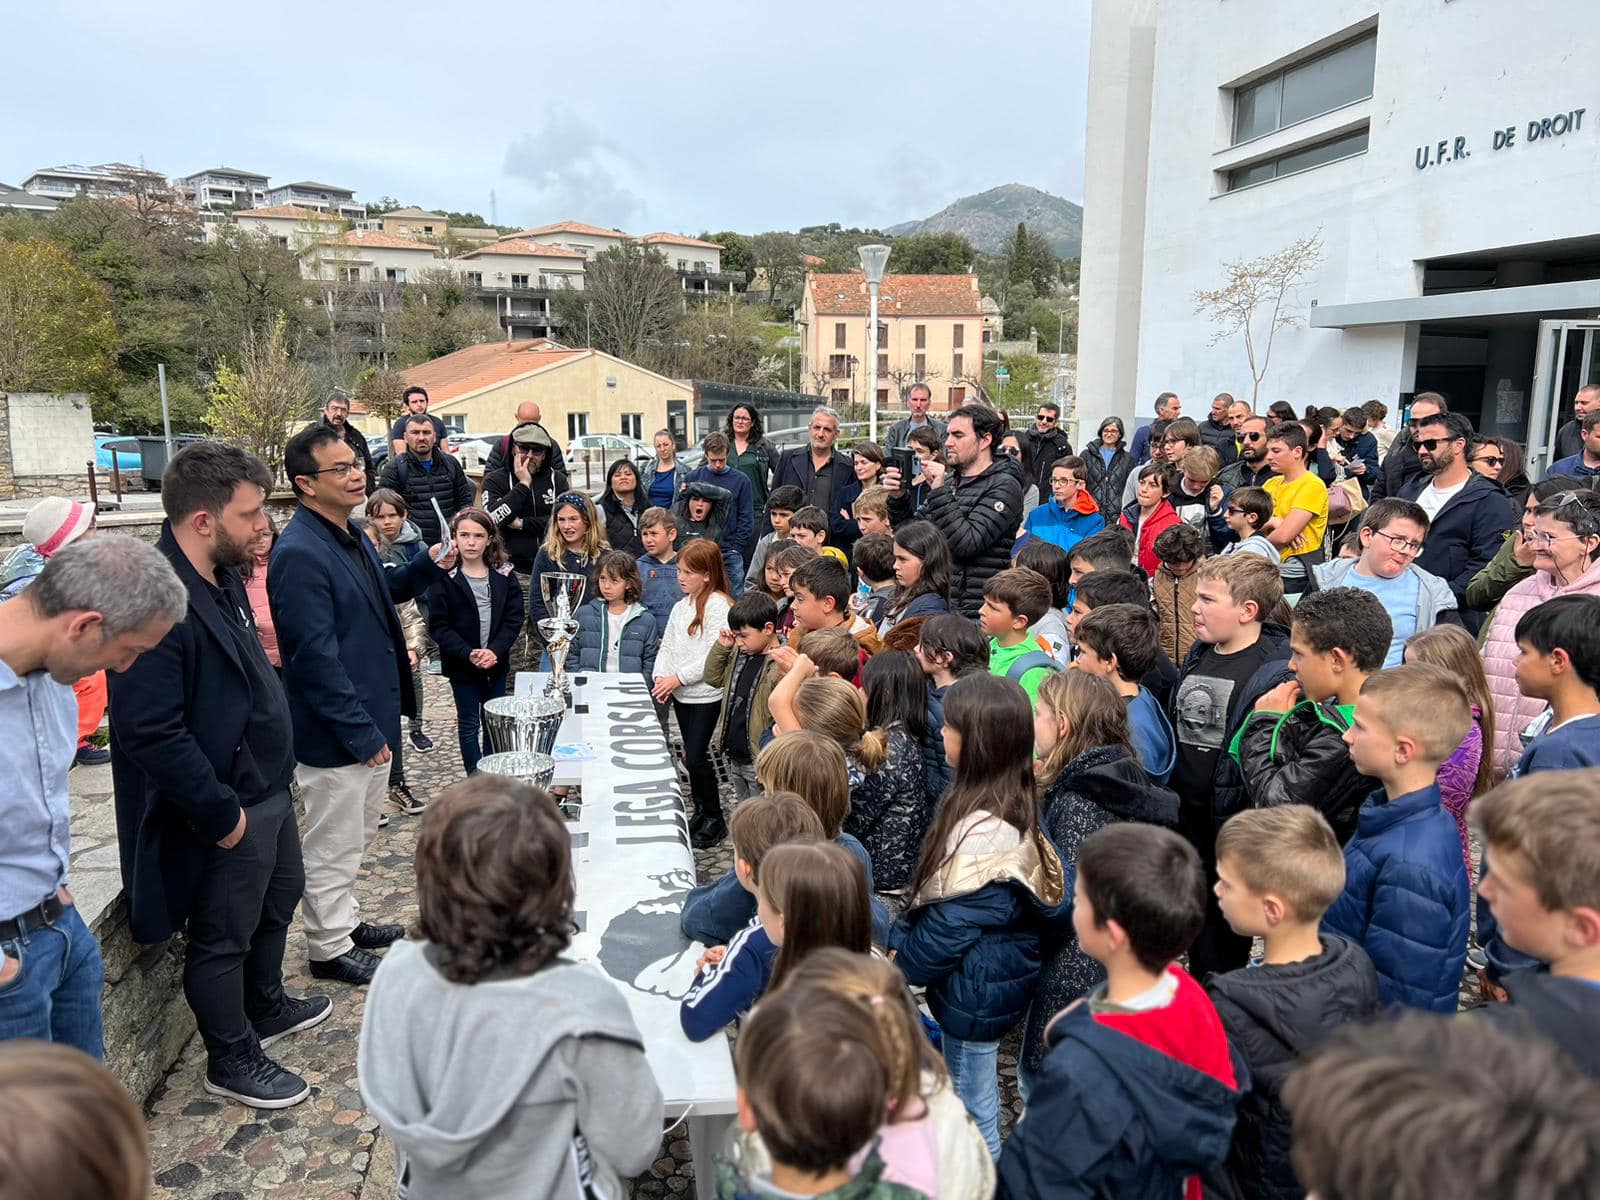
<point x="1490" y="459"/>
<point x="1400" y="545"/>
<point x="1045" y="419"/>
<point x="338" y="470"/>
<point x="1547" y="539"/>
<point x="1431" y="444"/>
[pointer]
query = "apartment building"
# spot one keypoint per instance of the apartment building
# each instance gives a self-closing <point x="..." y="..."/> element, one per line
<point x="930" y="330"/>
<point x="321" y="197"/>
<point x="518" y="278"/>
<point x="368" y="256"/>
<point x="698" y="263"/>
<point x="587" y="240"/>
<point x="222" y="188"/>
<point x="289" y="225"/>
<point x="104" y="180"/>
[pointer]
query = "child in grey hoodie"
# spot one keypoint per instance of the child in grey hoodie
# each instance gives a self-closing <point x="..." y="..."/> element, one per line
<point x="496" y="1067"/>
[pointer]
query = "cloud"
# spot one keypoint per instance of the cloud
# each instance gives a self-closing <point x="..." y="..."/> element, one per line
<point x="575" y="171"/>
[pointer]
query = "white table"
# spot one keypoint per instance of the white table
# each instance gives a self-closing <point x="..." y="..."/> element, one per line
<point x="634" y="867"/>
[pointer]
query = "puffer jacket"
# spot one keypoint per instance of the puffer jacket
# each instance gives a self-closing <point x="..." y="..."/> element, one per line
<point x="1163" y="518"/>
<point x="445" y="482"/>
<point x="1405" y="899"/>
<point x="1174" y="597"/>
<point x="399" y="553"/>
<point x="1066" y="527"/>
<point x="1275" y="1015"/>
<point x="1513" y="710"/>
<point x="622" y="521"/>
<point x="1098" y="788"/>
<point x="979" y="518"/>
<point x="937" y="773"/>
<point x="889" y="810"/>
<point x="1299" y="757"/>
<point x="976" y="933"/>
<point x="712" y="527"/>
<point x="637" y="651"/>
<point x="20" y="568"/>
<point x="1106" y="480"/>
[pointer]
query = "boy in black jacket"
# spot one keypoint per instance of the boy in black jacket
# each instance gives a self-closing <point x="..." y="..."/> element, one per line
<point x="1291" y="746"/>
<point x="1278" y="869"/>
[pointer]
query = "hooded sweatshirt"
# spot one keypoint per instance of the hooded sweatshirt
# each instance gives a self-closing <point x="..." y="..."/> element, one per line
<point x="1562" y="1008"/>
<point x="1066" y="527"/>
<point x="484" y="1087"/>
<point x="1127" y="1104"/>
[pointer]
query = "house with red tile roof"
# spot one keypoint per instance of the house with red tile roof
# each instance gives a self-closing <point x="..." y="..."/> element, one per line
<point x="368" y="256"/>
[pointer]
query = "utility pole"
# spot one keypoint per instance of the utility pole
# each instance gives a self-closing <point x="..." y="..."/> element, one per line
<point x="166" y="417"/>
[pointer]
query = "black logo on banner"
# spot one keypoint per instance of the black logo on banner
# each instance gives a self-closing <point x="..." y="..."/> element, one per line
<point x="631" y="946"/>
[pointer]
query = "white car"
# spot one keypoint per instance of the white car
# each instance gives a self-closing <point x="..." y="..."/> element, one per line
<point x="609" y="446"/>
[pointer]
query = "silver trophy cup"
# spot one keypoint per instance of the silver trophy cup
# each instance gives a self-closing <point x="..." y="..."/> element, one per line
<point x="524" y="725"/>
<point x="562" y="592"/>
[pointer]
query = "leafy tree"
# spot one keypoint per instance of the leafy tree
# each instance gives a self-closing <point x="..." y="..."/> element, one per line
<point x="708" y="342"/>
<point x="138" y="406"/>
<point x="931" y="254"/>
<point x="630" y="300"/>
<point x="57" y="333"/>
<point x="1029" y="260"/>
<point x="250" y="282"/>
<point x="437" y="317"/>
<point x="1030" y="381"/>
<point x="737" y="255"/>
<point x="380" y="390"/>
<point x="258" y="401"/>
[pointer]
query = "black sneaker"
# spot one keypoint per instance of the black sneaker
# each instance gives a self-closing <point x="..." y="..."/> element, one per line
<point x="90" y="755"/>
<point x="376" y="937"/>
<point x="354" y="966"/>
<point x="401" y="800"/>
<point x="292" y="1016"/>
<point x="709" y="834"/>
<point x="420" y="742"/>
<point x="251" y="1078"/>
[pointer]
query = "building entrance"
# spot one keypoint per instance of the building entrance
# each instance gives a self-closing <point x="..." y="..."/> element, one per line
<point x="1566" y="360"/>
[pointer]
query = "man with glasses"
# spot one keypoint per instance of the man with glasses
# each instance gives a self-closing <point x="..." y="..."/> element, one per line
<point x="1392" y="534"/>
<point x="918" y="398"/>
<point x="1251" y="468"/>
<point x="1585" y="464"/>
<point x="1402" y="466"/>
<point x="347" y="676"/>
<point x="1468" y="515"/>
<point x="424" y="473"/>
<point x="1047" y="442"/>
<point x="336" y="415"/>
<point x="1168" y="408"/>
<point x="1570" y="438"/>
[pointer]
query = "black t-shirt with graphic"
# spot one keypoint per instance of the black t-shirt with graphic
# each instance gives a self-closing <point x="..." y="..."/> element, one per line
<point x="1203" y="716"/>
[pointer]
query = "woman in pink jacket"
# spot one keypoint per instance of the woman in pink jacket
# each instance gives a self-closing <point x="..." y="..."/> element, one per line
<point x="1566" y="545"/>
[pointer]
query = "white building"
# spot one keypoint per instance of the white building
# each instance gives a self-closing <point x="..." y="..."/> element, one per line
<point x="368" y="256"/>
<point x="323" y="197"/>
<point x="223" y="187"/>
<point x="288" y="224"/>
<point x="587" y="240"/>
<point x="103" y="180"/>
<point x="518" y="278"/>
<point x="1445" y="151"/>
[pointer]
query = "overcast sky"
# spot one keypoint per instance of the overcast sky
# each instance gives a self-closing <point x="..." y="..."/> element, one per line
<point x="640" y="114"/>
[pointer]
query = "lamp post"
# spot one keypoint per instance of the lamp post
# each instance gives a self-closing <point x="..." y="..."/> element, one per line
<point x="873" y="260"/>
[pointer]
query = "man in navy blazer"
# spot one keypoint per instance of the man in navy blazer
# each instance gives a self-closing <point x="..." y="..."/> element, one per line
<point x="348" y="679"/>
<point x="203" y="761"/>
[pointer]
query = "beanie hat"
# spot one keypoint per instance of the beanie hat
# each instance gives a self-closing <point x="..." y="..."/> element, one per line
<point x="55" y="522"/>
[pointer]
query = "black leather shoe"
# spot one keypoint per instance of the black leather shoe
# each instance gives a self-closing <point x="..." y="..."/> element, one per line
<point x="250" y="1077"/>
<point x="709" y="834"/>
<point x="376" y="937"/>
<point x="291" y="1017"/>
<point x="354" y="966"/>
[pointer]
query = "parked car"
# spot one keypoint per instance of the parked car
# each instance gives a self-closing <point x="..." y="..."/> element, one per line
<point x="607" y="446"/>
<point x="125" y="450"/>
<point x="378" y="447"/>
<point x="850" y="433"/>
<point x="473" y="449"/>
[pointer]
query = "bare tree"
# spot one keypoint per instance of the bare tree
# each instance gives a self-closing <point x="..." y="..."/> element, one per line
<point x="629" y="302"/>
<point x="257" y="403"/>
<point x="1260" y="298"/>
<point x="381" y="390"/>
<point x="903" y="377"/>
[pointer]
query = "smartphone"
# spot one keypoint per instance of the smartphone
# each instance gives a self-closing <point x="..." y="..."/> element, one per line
<point x="904" y="458"/>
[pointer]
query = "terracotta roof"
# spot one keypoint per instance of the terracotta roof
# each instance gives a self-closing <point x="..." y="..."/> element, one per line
<point x="677" y="240"/>
<point x="478" y="367"/>
<point x="286" y="212"/>
<point x="377" y="240"/>
<point x="573" y="227"/>
<point x="811" y="260"/>
<point x="899" y="296"/>
<point x="523" y="245"/>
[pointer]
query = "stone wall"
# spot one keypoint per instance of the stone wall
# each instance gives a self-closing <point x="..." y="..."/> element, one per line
<point x="147" y="1021"/>
<point x="34" y="487"/>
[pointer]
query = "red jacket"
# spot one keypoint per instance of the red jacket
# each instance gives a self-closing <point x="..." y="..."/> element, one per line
<point x="1164" y="517"/>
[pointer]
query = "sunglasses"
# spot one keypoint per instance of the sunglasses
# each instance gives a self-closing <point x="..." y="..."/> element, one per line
<point x="1431" y="444"/>
<point x="1253" y="437"/>
<point x="1045" y="419"/>
<point x="1010" y="451"/>
<point x="1490" y="459"/>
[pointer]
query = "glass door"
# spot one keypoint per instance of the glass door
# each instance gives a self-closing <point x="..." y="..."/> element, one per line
<point x="1566" y="361"/>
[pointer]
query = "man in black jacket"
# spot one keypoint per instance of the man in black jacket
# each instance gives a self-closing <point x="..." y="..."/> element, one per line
<point x="336" y="415"/>
<point x="425" y="473"/>
<point x="1047" y="441"/>
<point x="1569" y="438"/>
<point x="976" y="502"/>
<point x="1401" y="466"/>
<point x="1217" y="430"/>
<point x="1250" y="469"/>
<point x="527" y="413"/>
<point x="817" y="469"/>
<point x="203" y="761"/>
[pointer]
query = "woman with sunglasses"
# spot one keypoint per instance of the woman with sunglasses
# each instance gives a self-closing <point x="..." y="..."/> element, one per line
<point x="1565" y="540"/>
<point x="575" y="543"/>
<point x="1500" y="459"/>
<point x="1013" y="446"/>
<point x="1108" y="464"/>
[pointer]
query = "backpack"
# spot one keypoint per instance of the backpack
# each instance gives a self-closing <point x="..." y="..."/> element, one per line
<point x="1031" y="661"/>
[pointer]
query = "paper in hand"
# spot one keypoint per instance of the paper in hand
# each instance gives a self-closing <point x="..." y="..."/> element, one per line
<point x="444" y="527"/>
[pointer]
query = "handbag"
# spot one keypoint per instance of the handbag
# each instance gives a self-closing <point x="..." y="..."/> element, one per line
<point x="1345" y="501"/>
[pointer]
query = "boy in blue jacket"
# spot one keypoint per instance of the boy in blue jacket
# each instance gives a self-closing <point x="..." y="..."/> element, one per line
<point x="1071" y="513"/>
<point x="1120" y="642"/>
<point x="1405" y="899"/>
<point x="1139" y="1089"/>
<point x="658" y="565"/>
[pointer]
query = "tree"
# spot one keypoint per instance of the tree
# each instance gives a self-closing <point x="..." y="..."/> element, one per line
<point x="57" y="333"/>
<point x="380" y="390"/>
<point x="250" y="283"/>
<point x="630" y="300"/>
<point x="1259" y="298"/>
<point x="1029" y="381"/>
<point x="780" y="257"/>
<point x="737" y="256"/>
<point x="257" y="403"/>
<point x="931" y="254"/>
<point x="138" y="406"/>
<point x="437" y="317"/>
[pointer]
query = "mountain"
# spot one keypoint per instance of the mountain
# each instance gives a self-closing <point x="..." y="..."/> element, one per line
<point x="989" y="219"/>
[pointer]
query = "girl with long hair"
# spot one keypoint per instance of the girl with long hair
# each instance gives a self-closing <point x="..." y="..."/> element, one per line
<point x="889" y="808"/>
<point x="1469" y="771"/>
<point x="987" y="884"/>
<point x="475" y="614"/>
<point x="921" y="575"/>
<point x="1091" y="778"/>
<point x="573" y="544"/>
<point x="616" y="632"/>
<point x="680" y="678"/>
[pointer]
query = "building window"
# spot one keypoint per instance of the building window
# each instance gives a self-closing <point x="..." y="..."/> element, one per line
<point x="920" y="366"/>
<point x="282" y="241"/>
<point x="455" y="423"/>
<point x="577" y="424"/>
<point x="956" y="364"/>
<point x="349" y="274"/>
<point x="427" y="229"/>
<point x="838" y="335"/>
<point x="1302" y="159"/>
<point x="840" y="397"/>
<point x="1307" y="89"/>
<point x="838" y="366"/>
<point x="883" y="364"/>
<point x="395" y="274"/>
<point x="883" y="397"/>
<point x="519" y="281"/>
<point x="957" y="395"/>
<point x="883" y="336"/>
<point x="633" y="426"/>
<point x="922" y="337"/>
<point x="475" y="279"/>
<point x="958" y="336"/>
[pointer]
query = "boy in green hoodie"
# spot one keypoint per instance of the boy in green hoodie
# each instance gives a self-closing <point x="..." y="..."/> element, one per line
<point x="1013" y="602"/>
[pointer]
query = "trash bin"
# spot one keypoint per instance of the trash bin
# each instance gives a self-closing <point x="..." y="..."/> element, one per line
<point x="153" y="456"/>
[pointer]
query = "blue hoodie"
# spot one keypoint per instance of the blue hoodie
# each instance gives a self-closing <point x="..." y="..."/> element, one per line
<point x="1066" y="527"/>
<point x="1152" y="736"/>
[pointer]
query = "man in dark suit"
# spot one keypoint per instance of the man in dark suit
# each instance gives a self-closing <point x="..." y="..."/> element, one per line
<point x="817" y="469"/>
<point x="348" y="679"/>
<point x="203" y="762"/>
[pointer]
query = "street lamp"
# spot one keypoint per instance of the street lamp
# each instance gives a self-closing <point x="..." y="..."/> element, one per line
<point x="873" y="261"/>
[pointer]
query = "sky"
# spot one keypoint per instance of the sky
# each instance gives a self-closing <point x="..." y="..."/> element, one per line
<point x="646" y="116"/>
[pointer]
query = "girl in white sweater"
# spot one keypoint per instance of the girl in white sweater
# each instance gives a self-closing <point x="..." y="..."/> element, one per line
<point x="680" y="678"/>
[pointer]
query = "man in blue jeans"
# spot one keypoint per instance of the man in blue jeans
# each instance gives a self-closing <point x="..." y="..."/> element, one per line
<point x="97" y="605"/>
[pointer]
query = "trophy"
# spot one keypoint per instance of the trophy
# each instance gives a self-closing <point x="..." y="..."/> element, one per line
<point x="562" y="592"/>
